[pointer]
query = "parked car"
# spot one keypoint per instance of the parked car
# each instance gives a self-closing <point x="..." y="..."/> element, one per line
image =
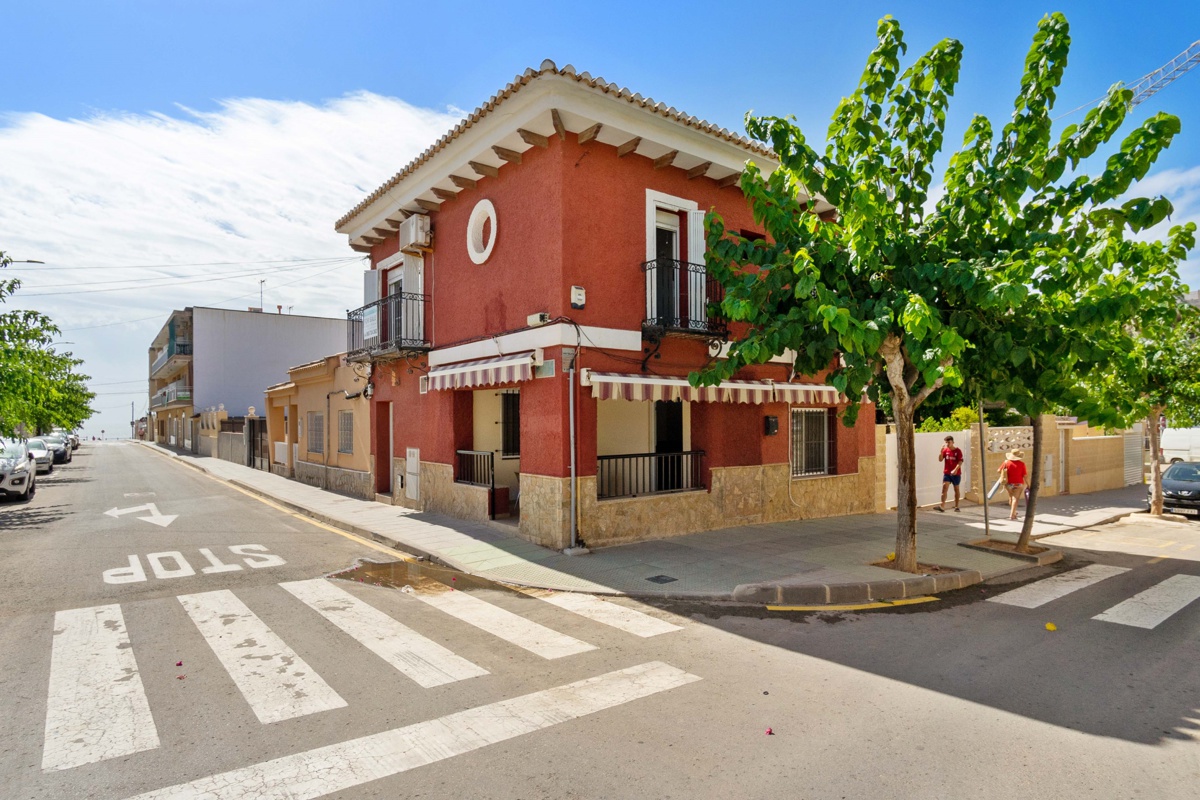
<point x="1180" y="444"/>
<point x="42" y="454"/>
<point x="1181" y="489"/>
<point x="18" y="470"/>
<point x="61" y="447"/>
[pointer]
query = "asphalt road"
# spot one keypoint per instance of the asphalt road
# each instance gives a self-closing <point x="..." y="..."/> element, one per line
<point x="296" y="686"/>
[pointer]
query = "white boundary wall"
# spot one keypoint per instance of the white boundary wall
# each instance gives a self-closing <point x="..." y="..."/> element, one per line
<point x="929" y="469"/>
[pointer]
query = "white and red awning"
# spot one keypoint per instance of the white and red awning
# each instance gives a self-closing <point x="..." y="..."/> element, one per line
<point x="622" y="386"/>
<point x="807" y="394"/>
<point x="484" y="372"/>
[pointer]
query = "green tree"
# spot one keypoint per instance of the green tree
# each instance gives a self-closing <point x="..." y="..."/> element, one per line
<point x="39" y="387"/>
<point x="889" y="293"/>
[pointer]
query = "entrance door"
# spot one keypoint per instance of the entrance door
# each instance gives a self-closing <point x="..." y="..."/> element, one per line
<point x="668" y="441"/>
<point x="383" y="448"/>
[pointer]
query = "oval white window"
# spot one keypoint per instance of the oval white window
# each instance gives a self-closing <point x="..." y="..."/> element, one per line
<point x="481" y="231"/>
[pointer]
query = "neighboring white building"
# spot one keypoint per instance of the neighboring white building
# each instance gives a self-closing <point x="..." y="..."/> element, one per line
<point x="210" y="357"/>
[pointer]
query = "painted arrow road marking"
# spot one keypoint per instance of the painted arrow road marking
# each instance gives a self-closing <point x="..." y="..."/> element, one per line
<point x="156" y="517"/>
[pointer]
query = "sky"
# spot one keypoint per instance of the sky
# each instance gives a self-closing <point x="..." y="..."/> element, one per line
<point x="157" y="155"/>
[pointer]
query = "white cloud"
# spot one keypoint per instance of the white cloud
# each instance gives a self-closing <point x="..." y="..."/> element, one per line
<point x="254" y="180"/>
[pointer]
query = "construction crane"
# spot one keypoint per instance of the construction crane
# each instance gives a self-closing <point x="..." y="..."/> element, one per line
<point x="1148" y="85"/>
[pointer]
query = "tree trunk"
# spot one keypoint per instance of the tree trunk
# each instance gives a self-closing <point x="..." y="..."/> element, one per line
<point x="1035" y="481"/>
<point x="1156" y="490"/>
<point x="906" y="487"/>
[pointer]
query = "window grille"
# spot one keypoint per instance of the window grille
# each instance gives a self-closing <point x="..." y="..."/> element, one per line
<point x="810" y="441"/>
<point x="316" y="432"/>
<point x="510" y="423"/>
<point x="345" y="431"/>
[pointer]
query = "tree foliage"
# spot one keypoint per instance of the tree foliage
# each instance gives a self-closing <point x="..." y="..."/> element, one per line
<point x="903" y="293"/>
<point x="40" y="388"/>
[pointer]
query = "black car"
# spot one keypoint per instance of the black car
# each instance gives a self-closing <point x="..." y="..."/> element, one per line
<point x="1181" y="489"/>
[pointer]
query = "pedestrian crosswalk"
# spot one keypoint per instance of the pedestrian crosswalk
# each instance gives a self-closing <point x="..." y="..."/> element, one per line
<point x="98" y="708"/>
<point x="1147" y="609"/>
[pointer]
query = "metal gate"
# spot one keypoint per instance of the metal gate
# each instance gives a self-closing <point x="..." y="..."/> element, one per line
<point x="1134" y="455"/>
<point x="256" y="450"/>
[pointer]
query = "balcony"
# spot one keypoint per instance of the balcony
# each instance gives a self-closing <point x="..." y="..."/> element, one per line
<point x="682" y="299"/>
<point x="641" y="474"/>
<point x="388" y="327"/>
<point x="178" y="348"/>
<point x="177" y="393"/>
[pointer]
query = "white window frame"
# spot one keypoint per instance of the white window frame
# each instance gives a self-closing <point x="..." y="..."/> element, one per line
<point x="697" y="287"/>
<point x="808" y="418"/>
<point x="346" y="432"/>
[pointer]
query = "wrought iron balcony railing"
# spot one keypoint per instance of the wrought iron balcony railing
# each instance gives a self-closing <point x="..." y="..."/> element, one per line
<point x="639" y="474"/>
<point x="682" y="297"/>
<point x="394" y="323"/>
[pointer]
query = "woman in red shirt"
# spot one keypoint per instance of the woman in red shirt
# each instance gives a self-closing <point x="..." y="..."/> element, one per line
<point x="1013" y="470"/>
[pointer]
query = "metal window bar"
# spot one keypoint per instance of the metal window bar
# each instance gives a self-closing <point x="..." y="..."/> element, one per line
<point x="682" y="296"/>
<point x="510" y="423"/>
<point x="346" y="432"/>
<point x="476" y="467"/>
<point x="393" y="322"/>
<point x="316" y="432"/>
<point x="639" y="474"/>
<point x="810" y="442"/>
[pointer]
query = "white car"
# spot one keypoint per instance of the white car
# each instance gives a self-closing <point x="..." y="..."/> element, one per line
<point x="42" y="454"/>
<point x="18" y="470"/>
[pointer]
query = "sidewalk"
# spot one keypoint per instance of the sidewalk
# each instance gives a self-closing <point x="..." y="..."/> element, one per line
<point x="805" y="562"/>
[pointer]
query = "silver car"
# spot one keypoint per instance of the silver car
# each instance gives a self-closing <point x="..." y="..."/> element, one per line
<point x="18" y="470"/>
<point x="42" y="454"/>
<point x="60" y="446"/>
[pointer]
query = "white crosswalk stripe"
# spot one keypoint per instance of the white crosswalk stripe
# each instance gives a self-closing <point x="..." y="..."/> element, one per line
<point x="610" y="613"/>
<point x="422" y="659"/>
<point x="535" y="638"/>
<point x="1039" y="593"/>
<point x="334" y="768"/>
<point x="275" y="681"/>
<point x="1150" y="608"/>
<point x="96" y="707"/>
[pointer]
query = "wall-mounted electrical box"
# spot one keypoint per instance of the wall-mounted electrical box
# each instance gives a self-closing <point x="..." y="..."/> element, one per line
<point x="578" y="297"/>
<point x="770" y="426"/>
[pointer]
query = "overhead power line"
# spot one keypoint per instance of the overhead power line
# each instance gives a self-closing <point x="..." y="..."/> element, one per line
<point x="182" y="266"/>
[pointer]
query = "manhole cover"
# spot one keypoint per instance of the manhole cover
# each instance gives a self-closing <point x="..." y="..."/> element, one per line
<point x="662" y="579"/>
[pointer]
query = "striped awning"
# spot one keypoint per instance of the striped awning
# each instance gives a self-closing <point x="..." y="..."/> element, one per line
<point x="621" y="386"/>
<point x="807" y="394"/>
<point x="484" y="372"/>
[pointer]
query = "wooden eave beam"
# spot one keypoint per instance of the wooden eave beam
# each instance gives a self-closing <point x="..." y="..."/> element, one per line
<point x="511" y="156"/>
<point x="360" y="248"/>
<point x="556" y="119"/>
<point x="589" y="134"/>
<point x="535" y="139"/>
<point x="444" y="194"/>
<point x="729" y="180"/>
<point x="384" y="232"/>
<point x="487" y="170"/>
<point x="698" y="170"/>
<point x="462" y="183"/>
<point x="428" y="205"/>
<point x="665" y="160"/>
<point x="372" y="240"/>
<point x="627" y="148"/>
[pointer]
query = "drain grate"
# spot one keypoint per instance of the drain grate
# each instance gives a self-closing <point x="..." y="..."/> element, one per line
<point x="662" y="579"/>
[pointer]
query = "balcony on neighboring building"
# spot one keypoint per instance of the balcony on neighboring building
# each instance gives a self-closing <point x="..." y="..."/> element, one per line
<point x="173" y="394"/>
<point x="388" y="327"/>
<point x="682" y="299"/>
<point x="175" y="353"/>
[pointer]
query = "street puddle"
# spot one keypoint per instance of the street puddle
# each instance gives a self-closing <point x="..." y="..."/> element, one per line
<point x="418" y="575"/>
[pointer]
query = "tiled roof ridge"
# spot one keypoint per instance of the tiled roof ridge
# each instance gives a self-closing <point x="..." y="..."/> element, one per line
<point x="548" y="66"/>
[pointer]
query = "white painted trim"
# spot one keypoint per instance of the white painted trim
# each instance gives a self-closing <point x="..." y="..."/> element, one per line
<point x="484" y="211"/>
<point x="390" y="261"/>
<point x="787" y="357"/>
<point x="654" y="201"/>
<point x="338" y="767"/>
<point x="556" y="335"/>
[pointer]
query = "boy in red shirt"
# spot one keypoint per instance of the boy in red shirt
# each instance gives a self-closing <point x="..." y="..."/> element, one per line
<point x="952" y="461"/>
<point x="1013" y="470"/>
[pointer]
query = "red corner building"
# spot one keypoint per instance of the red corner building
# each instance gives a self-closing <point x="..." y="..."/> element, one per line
<point x="537" y="298"/>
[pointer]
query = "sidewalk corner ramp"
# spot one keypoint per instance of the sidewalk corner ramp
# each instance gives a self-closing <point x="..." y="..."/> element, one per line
<point x="797" y="591"/>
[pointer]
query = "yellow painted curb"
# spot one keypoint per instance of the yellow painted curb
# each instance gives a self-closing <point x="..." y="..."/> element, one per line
<point x="907" y="601"/>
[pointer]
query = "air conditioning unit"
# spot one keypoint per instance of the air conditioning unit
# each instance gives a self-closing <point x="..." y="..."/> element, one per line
<point x="414" y="232"/>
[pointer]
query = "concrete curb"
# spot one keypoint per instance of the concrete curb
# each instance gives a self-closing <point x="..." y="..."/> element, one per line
<point x="797" y="592"/>
<point x="1051" y="556"/>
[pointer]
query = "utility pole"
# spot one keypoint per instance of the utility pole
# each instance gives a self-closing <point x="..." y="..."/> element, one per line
<point x="132" y="423"/>
<point x="260" y="293"/>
